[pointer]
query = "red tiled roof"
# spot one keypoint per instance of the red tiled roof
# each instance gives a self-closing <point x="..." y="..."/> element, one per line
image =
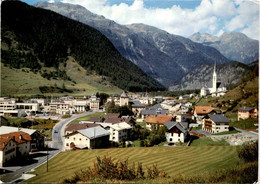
<point x="4" y="141"/>
<point x="161" y="119"/>
<point x="18" y="137"/>
<point x="203" y="109"/>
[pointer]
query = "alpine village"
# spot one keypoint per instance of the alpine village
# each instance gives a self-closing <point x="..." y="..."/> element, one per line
<point x="85" y="99"/>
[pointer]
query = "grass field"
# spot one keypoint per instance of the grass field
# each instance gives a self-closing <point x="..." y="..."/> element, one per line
<point x="85" y="118"/>
<point x="245" y="124"/>
<point x="204" y="141"/>
<point x="23" y="82"/>
<point x="174" y="160"/>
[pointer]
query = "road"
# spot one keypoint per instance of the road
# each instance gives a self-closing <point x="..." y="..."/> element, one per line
<point x="39" y="158"/>
<point x="58" y="138"/>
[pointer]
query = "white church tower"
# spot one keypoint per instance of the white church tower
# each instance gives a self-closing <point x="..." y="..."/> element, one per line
<point x="214" y="81"/>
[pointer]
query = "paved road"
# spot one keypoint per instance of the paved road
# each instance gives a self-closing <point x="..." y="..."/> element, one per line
<point x="56" y="146"/>
<point x="58" y="138"/>
<point x="253" y="134"/>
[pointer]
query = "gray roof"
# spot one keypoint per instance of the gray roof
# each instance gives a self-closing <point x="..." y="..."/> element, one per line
<point x="94" y="132"/>
<point x="184" y="125"/>
<point x="218" y="118"/>
<point x="172" y="124"/>
<point x="156" y="107"/>
<point x="124" y="95"/>
<point x="246" y="108"/>
<point x="137" y="104"/>
<point x="153" y="112"/>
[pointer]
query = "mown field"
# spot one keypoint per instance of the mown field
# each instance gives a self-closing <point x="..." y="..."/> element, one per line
<point x="189" y="161"/>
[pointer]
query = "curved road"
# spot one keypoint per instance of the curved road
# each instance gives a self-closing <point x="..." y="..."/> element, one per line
<point x="56" y="144"/>
<point x="58" y="138"/>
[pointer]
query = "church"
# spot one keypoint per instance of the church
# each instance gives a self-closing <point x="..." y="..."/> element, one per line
<point x="215" y="87"/>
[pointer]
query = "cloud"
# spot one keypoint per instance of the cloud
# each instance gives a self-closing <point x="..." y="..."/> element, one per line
<point x="211" y="16"/>
<point x="51" y="1"/>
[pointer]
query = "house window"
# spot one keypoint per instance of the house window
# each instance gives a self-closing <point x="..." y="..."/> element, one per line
<point x="67" y="144"/>
<point x="170" y="139"/>
<point x="80" y="139"/>
<point x="74" y="138"/>
<point x="179" y="134"/>
<point x="113" y="137"/>
<point x="179" y="140"/>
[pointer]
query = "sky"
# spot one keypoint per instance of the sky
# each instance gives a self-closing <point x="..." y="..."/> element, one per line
<point x="180" y="17"/>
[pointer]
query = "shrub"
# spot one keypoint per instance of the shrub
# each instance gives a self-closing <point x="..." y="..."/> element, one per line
<point x="66" y="116"/>
<point x="107" y="168"/>
<point x="249" y="152"/>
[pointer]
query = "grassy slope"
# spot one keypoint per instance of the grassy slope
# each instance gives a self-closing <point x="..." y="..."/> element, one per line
<point x="174" y="160"/>
<point x="245" y="95"/>
<point x="87" y="117"/>
<point x="17" y="82"/>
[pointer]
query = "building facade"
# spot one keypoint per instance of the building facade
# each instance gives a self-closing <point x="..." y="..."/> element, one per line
<point x="215" y="123"/>
<point x="247" y="112"/>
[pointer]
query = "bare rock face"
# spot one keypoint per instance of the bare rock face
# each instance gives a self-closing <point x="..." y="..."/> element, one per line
<point x="163" y="56"/>
<point x="201" y="76"/>
<point x="234" y="46"/>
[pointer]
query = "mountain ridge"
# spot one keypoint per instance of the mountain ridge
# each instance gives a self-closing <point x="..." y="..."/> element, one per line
<point x="35" y="44"/>
<point x="233" y="45"/>
<point x="229" y="73"/>
<point x="163" y="56"/>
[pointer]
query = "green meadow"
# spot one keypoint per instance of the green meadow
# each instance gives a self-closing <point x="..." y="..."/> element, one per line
<point x="188" y="161"/>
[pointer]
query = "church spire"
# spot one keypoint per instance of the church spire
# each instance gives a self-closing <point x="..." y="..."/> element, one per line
<point x="214" y="81"/>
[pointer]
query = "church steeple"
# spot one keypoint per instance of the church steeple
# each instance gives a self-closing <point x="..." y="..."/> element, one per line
<point x="214" y="81"/>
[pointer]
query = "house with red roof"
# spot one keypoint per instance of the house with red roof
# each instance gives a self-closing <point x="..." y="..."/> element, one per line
<point x="14" y="145"/>
<point x="247" y="112"/>
<point x="201" y="111"/>
<point x="158" y="120"/>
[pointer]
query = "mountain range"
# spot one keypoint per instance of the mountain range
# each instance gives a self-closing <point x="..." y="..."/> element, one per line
<point x="229" y="73"/>
<point x="40" y="39"/>
<point x="163" y="56"/>
<point x="234" y="45"/>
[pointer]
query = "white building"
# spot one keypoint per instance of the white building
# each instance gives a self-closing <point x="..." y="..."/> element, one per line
<point x="177" y="131"/>
<point x="181" y="117"/>
<point x="8" y="107"/>
<point x="119" y="131"/>
<point x="95" y="137"/>
<point x="94" y="102"/>
<point x="215" y="123"/>
<point x="124" y="99"/>
<point x="216" y="88"/>
<point x="37" y="139"/>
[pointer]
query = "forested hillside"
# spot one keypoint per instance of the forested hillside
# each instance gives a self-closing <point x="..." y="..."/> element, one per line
<point x="37" y="38"/>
